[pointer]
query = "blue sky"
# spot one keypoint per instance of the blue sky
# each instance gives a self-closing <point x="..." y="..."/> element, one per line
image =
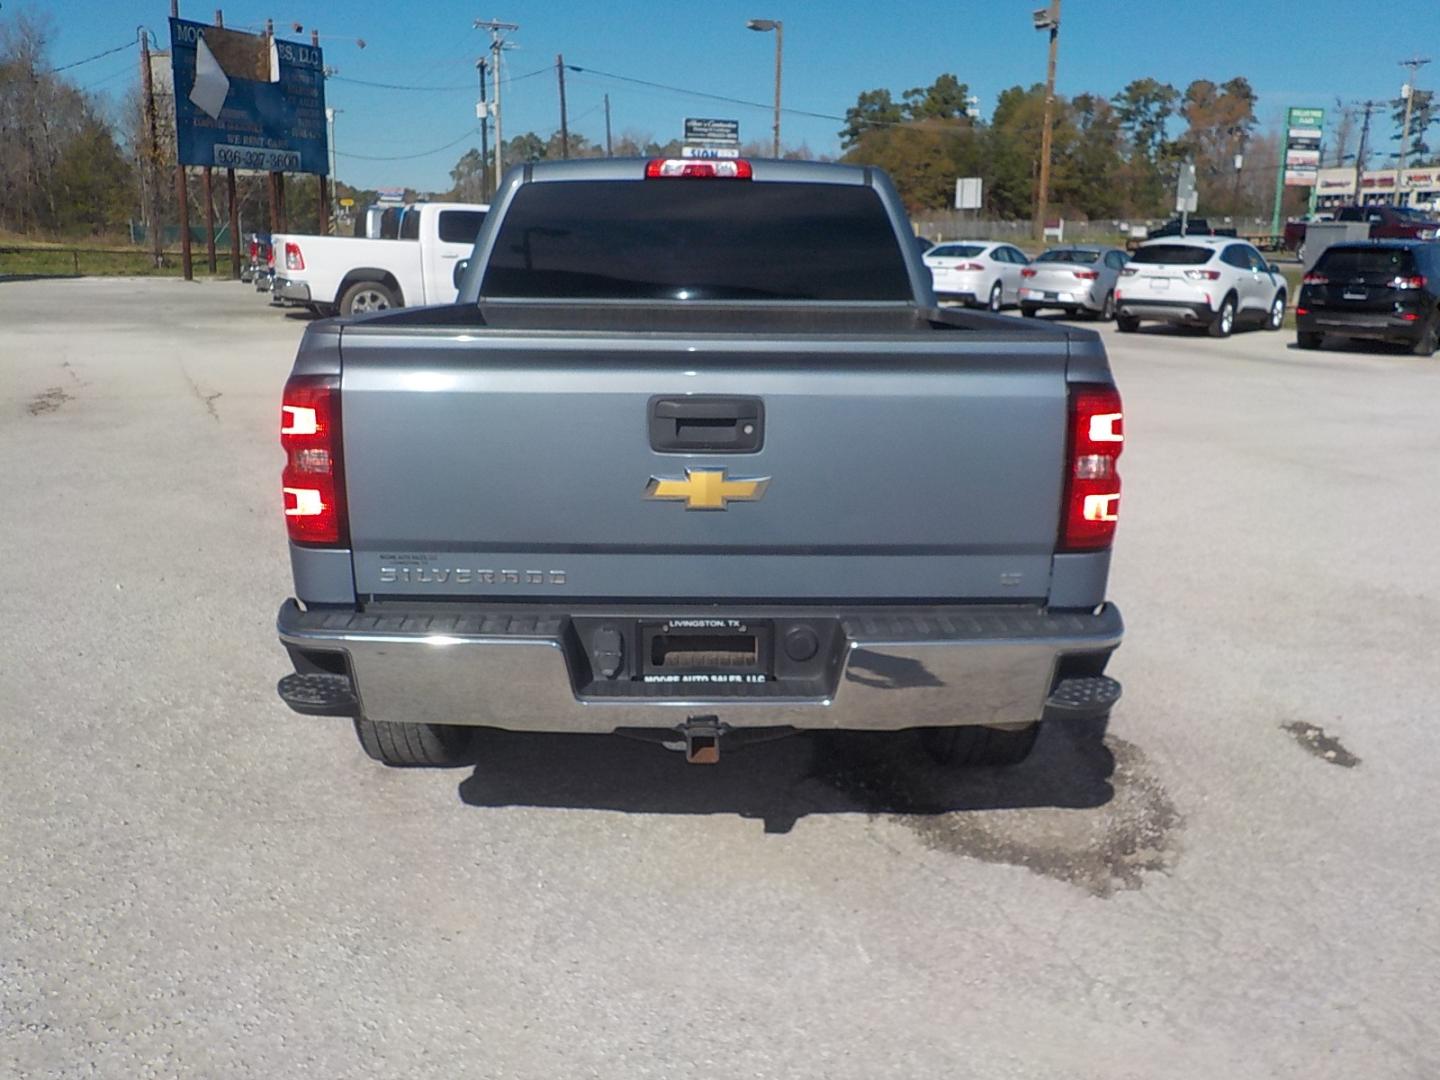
<point x="833" y="50"/>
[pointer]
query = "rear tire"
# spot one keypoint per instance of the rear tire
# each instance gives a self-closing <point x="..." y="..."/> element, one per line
<point x="366" y="296"/>
<point x="1107" y="309"/>
<point x="1029" y="310"/>
<point x="997" y="296"/>
<point x="411" y="745"/>
<point x="1309" y="339"/>
<point x="971" y="746"/>
<point x="1127" y="324"/>
<point x="1427" y="344"/>
<point x="1224" y="321"/>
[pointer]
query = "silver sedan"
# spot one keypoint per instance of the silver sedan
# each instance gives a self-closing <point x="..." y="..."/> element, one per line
<point x="1075" y="278"/>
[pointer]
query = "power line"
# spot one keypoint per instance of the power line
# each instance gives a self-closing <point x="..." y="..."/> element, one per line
<point x="469" y="132"/>
<point x="457" y="86"/>
<point x="715" y="97"/>
<point x="97" y="56"/>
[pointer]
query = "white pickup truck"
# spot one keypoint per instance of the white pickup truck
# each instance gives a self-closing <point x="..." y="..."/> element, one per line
<point x="345" y="274"/>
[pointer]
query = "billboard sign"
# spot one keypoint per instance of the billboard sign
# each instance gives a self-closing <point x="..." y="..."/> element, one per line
<point x="245" y="102"/>
<point x="1304" y="128"/>
<point x="704" y="132"/>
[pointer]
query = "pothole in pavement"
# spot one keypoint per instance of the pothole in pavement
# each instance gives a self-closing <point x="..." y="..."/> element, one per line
<point x="1314" y="741"/>
<point x="47" y="401"/>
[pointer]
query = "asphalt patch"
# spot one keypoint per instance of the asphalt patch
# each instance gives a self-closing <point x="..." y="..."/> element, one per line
<point x="47" y="401"/>
<point x="1325" y="747"/>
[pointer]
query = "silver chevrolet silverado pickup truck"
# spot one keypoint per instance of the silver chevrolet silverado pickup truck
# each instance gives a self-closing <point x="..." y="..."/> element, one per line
<point x="695" y="457"/>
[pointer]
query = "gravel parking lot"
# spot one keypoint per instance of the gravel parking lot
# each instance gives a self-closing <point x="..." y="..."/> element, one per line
<point x="1238" y="879"/>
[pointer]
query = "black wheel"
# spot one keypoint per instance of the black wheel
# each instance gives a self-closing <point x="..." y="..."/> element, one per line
<point x="1276" y="317"/>
<point x="1224" y="320"/>
<point x="366" y="296"/>
<point x="1029" y="310"/>
<point x="1107" y="309"/>
<point x="1427" y="344"/>
<point x="415" y="744"/>
<point x="1309" y="339"/>
<point x="973" y="745"/>
<point x="996" y="295"/>
<point x="1127" y="324"/>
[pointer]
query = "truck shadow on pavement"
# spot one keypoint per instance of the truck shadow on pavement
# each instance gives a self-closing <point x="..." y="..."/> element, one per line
<point x="1085" y="809"/>
<point x="782" y="781"/>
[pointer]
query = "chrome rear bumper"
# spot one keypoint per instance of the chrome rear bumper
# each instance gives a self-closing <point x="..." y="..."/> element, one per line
<point x="892" y="668"/>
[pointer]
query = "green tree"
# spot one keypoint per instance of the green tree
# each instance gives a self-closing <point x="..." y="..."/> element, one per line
<point x="1422" y="118"/>
<point x="1220" y="120"/>
<point x="469" y="178"/>
<point x="872" y="109"/>
<point x="944" y="99"/>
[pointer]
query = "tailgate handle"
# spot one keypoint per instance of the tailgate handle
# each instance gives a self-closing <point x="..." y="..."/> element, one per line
<point x="729" y="425"/>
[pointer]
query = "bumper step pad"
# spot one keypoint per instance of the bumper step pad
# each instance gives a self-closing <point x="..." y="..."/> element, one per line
<point x="1082" y="698"/>
<point x="319" y="695"/>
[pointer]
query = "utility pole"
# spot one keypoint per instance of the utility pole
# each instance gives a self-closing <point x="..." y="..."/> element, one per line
<point x="1415" y="63"/>
<point x="234" y="215"/>
<point x="1367" y="109"/>
<point x="564" y="122"/>
<point x="484" y="134"/>
<point x="182" y="189"/>
<point x="148" y="174"/>
<point x="1047" y="19"/>
<point x="330" y="113"/>
<point x="497" y="31"/>
<point x="608" y="151"/>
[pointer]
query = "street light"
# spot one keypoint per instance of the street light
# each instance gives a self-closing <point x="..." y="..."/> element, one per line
<point x="1048" y="20"/>
<point x="764" y="26"/>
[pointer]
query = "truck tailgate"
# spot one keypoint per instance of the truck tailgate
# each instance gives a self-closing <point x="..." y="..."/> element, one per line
<point x="520" y="465"/>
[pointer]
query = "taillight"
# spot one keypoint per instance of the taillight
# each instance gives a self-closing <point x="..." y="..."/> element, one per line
<point x="1302" y="311"/>
<point x="971" y="266"/>
<point x="1203" y="275"/>
<point x="1027" y="272"/>
<point x="254" y="250"/>
<point x="1092" y="483"/>
<point x="689" y="168"/>
<point x="1086" y="275"/>
<point x="293" y="259"/>
<point x="1313" y="278"/>
<point x="1415" y="282"/>
<point x="313" y="480"/>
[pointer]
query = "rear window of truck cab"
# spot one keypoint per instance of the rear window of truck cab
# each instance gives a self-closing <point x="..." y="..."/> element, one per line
<point x="696" y="239"/>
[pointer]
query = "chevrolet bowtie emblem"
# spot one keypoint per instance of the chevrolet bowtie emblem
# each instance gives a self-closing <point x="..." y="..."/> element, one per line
<point x="707" y="489"/>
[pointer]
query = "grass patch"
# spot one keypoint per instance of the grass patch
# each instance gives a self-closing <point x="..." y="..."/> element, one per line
<point x="28" y="258"/>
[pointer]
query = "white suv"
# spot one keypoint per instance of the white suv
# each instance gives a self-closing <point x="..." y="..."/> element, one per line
<point x="1209" y="281"/>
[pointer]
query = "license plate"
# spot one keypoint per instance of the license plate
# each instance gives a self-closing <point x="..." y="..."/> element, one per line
<point x="1052" y="296"/>
<point x="1356" y="294"/>
<point x="1159" y="283"/>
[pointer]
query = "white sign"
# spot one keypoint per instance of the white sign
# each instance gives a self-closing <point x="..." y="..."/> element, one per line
<point x="1310" y="158"/>
<point x="1187" y="198"/>
<point x="212" y="85"/>
<point x="1306" y="133"/>
<point x="710" y="151"/>
<point x="256" y="158"/>
<point x="1300" y="177"/>
<point x="969" y="193"/>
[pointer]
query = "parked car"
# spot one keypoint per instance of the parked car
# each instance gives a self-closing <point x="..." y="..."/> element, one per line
<point x="257" y="260"/>
<point x="1074" y="278"/>
<point x="1201" y="281"/>
<point x="1385" y="291"/>
<point x="977" y="273"/>
<point x="1386" y="223"/>
<point x="653" y="362"/>
<point x="345" y="274"/>
<point x="1195" y="226"/>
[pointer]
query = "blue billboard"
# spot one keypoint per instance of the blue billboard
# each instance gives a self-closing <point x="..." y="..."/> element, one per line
<point x="243" y="101"/>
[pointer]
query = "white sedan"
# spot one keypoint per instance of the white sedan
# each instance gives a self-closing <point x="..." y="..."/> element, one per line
<point x="977" y="273"/>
